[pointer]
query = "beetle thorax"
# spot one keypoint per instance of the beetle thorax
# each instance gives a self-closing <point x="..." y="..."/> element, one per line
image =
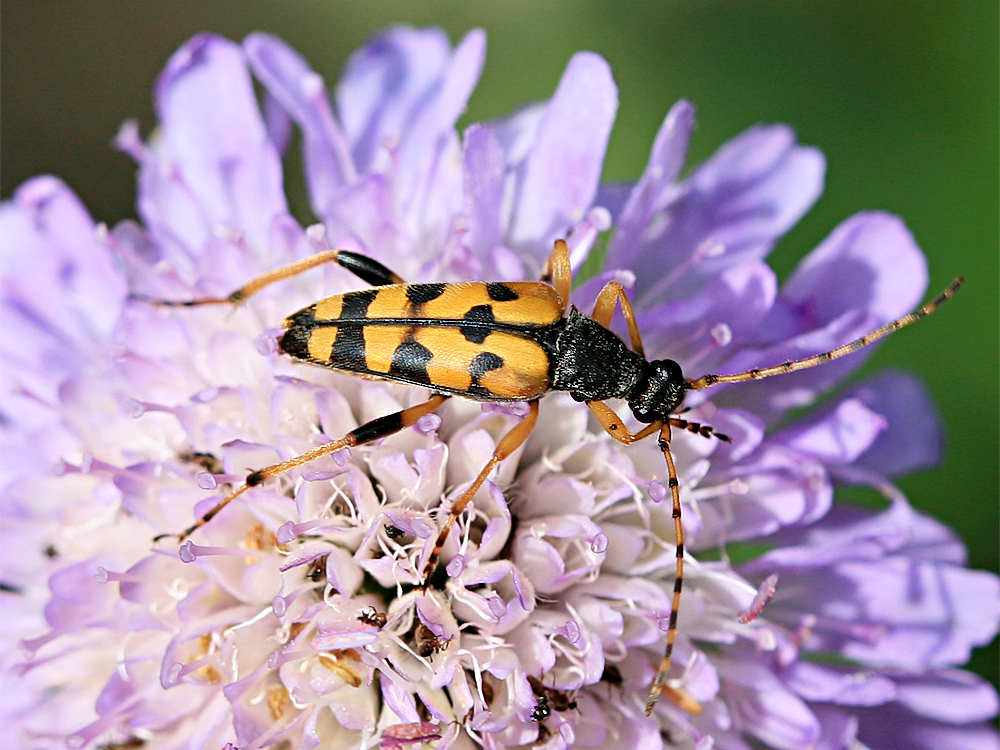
<point x="591" y="362"/>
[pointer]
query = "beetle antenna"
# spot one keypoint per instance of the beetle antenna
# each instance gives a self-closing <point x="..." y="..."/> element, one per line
<point x="706" y="381"/>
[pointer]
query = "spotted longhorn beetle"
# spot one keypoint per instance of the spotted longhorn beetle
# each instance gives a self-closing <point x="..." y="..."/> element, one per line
<point x="501" y="342"/>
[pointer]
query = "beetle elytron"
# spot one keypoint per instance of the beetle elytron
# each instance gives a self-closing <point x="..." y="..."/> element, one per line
<point x="501" y="342"/>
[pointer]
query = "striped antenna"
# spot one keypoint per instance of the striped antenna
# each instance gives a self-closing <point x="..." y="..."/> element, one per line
<point x="706" y="381"/>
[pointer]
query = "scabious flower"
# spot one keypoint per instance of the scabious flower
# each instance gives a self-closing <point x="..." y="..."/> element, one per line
<point x="292" y="619"/>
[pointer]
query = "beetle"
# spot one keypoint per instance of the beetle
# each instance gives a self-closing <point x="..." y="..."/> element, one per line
<point x="501" y="342"/>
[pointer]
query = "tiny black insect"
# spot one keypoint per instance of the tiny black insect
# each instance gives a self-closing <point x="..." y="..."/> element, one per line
<point x="556" y="700"/>
<point x="393" y="532"/>
<point x="316" y="571"/>
<point x="542" y="709"/>
<point x="612" y="675"/>
<point x="207" y="461"/>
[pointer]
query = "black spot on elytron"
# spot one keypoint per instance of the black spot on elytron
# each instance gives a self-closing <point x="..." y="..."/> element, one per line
<point x="421" y="294"/>
<point x="479" y="324"/>
<point x="299" y="327"/>
<point x="480" y="365"/>
<point x="500" y="292"/>
<point x="410" y="361"/>
<point x="349" y="347"/>
<point x="483" y="363"/>
<point x="356" y="304"/>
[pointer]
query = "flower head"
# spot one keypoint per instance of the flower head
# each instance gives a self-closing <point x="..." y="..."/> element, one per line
<point x="294" y="618"/>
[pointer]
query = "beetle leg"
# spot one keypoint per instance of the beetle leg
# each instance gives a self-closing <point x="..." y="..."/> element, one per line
<point x="507" y="445"/>
<point x="558" y="272"/>
<point x="604" y="309"/>
<point x="365" y="268"/>
<point x="675" y="495"/>
<point x="366" y="433"/>
<point x="614" y="426"/>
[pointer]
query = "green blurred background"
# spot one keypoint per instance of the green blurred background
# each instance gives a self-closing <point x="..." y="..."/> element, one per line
<point x="901" y="96"/>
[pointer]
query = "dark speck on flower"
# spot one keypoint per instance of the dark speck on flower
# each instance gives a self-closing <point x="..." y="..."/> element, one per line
<point x="292" y="620"/>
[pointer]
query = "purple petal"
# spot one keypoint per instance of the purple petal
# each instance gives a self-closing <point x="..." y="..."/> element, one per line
<point x="746" y="430"/>
<point x="517" y="133"/>
<point x="772" y="713"/>
<point x="649" y="193"/>
<point x="302" y="93"/>
<point x="613" y="197"/>
<point x="878" y="592"/>
<point x="952" y="696"/>
<point x="77" y="597"/>
<point x="383" y="83"/>
<point x="359" y="637"/>
<point x="839" y="728"/>
<point x="407" y="88"/>
<point x="438" y="618"/>
<point x="484" y="172"/>
<point x="823" y="684"/>
<point x="772" y="489"/>
<point x="426" y="138"/>
<point x="393" y="469"/>
<point x="867" y="272"/>
<point x="846" y="533"/>
<point x="541" y="561"/>
<point x="892" y="727"/>
<point x="115" y="692"/>
<point x="840" y="436"/>
<point x="730" y="210"/>
<point x="277" y="122"/>
<point x="703" y="330"/>
<point x="929" y="539"/>
<point x="62" y="293"/>
<point x="772" y="397"/>
<point x="869" y="262"/>
<point x="563" y="169"/>
<point x="215" y="167"/>
<point x="625" y="546"/>
<point x="400" y="701"/>
<point x="935" y="614"/>
<point x="365" y="210"/>
<point x="498" y="527"/>
<point x="343" y="573"/>
<point x="420" y="731"/>
<point x="914" y="437"/>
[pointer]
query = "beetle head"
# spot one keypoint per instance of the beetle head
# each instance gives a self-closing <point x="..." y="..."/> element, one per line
<point x="659" y="391"/>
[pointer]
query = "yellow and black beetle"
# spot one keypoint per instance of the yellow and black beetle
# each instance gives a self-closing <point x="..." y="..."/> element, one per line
<point x="501" y="342"/>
